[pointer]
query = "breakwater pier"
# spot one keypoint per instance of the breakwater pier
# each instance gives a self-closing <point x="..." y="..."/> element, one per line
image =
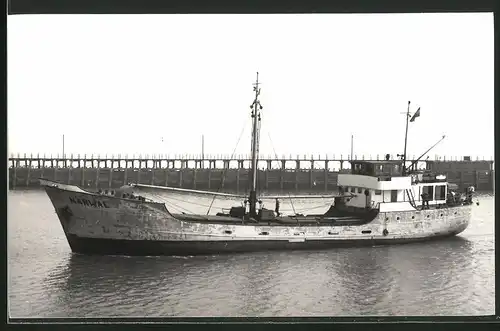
<point x="314" y="173"/>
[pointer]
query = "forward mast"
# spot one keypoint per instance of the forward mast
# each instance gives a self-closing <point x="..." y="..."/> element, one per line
<point x="256" y="107"/>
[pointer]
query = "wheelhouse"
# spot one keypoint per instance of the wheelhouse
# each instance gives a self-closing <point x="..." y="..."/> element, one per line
<point x="385" y="186"/>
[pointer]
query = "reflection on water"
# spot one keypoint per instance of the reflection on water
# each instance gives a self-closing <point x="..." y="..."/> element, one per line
<point x="446" y="277"/>
<point x="410" y="279"/>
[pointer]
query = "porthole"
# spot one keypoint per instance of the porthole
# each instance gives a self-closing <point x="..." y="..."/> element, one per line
<point x="332" y="233"/>
<point x="387" y="218"/>
<point x="397" y="218"/>
<point x="366" y="231"/>
<point x="264" y="233"/>
<point x="228" y="232"/>
<point x="455" y="213"/>
<point x="441" y="215"/>
<point x="413" y="217"/>
<point x="428" y="216"/>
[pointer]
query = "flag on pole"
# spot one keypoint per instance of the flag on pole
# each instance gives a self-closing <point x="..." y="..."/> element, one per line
<point x="417" y="114"/>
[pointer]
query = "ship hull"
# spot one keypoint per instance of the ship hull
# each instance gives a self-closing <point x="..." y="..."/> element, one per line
<point x="97" y="246"/>
<point x="105" y="225"/>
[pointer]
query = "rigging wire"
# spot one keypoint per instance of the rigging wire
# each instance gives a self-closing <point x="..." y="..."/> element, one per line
<point x="175" y="206"/>
<point x="225" y="170"/>
<point x="276" y="157"/>
<point x="194" y="203"/>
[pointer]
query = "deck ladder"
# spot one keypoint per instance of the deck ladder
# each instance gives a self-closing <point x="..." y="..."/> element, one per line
<point x="411" y="198"/>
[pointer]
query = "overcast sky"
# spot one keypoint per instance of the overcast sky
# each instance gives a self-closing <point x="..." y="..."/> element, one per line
<point x="123" y="83"/>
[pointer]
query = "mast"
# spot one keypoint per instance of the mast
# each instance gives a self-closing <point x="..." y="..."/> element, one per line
<point x="255" y="125"/>
<point x="203" y="147"/>
<point x="406" y="138"/>
<point x="352" y="147"/>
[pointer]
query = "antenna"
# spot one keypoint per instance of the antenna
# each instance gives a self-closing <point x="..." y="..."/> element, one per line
<point x="406" y="138"/>
<point x="417" y="114"/>
<point x="63" y="146"/>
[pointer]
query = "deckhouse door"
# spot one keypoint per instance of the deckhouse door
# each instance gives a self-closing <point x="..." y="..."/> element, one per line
<point x="394" y="195"/>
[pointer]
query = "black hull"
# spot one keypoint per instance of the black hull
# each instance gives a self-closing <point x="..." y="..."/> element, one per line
<point x="94" y="246"/>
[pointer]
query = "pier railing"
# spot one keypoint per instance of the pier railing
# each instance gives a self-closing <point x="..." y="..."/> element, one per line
<point x="289" y="157"/>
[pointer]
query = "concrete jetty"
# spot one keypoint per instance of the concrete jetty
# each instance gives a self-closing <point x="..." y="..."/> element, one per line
<point x="314" y="173"/>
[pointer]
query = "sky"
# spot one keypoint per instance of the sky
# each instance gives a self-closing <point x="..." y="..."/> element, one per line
<point x="154" y="84"/>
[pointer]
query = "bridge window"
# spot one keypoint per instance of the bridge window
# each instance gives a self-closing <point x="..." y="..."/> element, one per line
<point x="360" y="190"/>
<point x="440" y="192"/>
<point x="378" y="192"/>
<point x="429" y="190"/>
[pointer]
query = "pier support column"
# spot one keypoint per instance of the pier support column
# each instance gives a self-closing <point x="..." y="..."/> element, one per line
<point x="283" y="164"/>
<point x="269" y="164"/>
<point x="297" y="179"/>
<point x="28" y="177"/>
<point x="82" y="177"/>
<point x="139" y="172"/>
<point x="125" y="174"/>
<point x="110" y="181"/>
<point x="166" y="176"/>
<point x="180" y="178"/>
<point x="14" y="180"/>
<point x="492" y="180"/>
<point x="326" y="179"/>
<point x="194" y="179"/>
<point x="223" y="180"/>
<point x="311" y="179"/>
<point x="281" y="178"/>
<point x="238" y="180"/>
<point x="97" y="170"/>
<point x="266" y="175"/>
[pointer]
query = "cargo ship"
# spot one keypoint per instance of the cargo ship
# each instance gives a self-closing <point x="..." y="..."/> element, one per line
<point x="377" y="203"/>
